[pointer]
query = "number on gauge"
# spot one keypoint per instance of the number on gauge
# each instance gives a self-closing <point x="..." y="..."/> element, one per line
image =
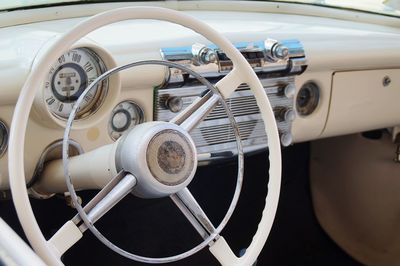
<point x="67" y="79"/>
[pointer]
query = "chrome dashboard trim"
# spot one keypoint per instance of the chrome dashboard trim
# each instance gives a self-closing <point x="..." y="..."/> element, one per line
<point x="259" y="54"/>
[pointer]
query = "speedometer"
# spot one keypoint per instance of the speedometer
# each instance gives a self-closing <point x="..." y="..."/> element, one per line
<point x="68" y="77"/>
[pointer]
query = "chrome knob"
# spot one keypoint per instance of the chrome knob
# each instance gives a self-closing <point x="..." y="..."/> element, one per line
<point x="289" y="90"/>
<point x="284" y="114"/>
<point x="174" y="104"/>
<point x="202" y="55"/>
<point x="208" y="56"/>
<point x="289" y="115"/>
<point x="286" y="139"/>
<point x="280" y="51"/>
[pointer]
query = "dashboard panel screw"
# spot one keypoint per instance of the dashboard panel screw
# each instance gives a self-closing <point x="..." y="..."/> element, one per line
<point x="386" y="81"/>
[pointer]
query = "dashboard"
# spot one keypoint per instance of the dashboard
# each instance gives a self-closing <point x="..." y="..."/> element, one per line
<point x="327" y="73"/>
<point x="316" y="87"/>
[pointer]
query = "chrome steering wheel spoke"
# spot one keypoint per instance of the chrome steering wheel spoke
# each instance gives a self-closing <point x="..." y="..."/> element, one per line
<point x="194" y="213"/>
<point x="118" y="187"/>
<point x="189" y="118"/>
<point x="71" y="232"/>
<point x="201" y="107"/>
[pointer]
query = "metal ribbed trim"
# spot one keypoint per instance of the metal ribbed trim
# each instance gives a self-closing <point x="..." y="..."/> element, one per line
<point x="215" y="134"/>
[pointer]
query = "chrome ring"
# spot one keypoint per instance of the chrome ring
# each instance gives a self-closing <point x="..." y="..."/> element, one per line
<point x="4" y="144"/>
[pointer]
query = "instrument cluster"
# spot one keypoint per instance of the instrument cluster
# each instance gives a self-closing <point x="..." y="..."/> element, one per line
<point x="71" y="74"/>
<point x="67" y="79"/>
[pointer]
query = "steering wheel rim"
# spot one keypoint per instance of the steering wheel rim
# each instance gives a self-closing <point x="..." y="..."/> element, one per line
<point x="242" y="72"/>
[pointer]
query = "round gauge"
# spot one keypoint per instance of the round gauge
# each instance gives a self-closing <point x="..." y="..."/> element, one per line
<point x="124" y="116"/>
<point x="3" y="138"/>
<point x="68" y="77"/>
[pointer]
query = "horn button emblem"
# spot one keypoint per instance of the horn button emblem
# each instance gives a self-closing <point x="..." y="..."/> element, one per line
<point x="170" y="157"/>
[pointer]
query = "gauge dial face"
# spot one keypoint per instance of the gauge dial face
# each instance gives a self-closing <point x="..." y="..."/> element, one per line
<point x="67" y="79"/>
<point x="124" y="116"/>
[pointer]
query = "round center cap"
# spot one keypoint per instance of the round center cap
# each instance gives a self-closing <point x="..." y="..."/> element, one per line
<point x="170" y="157"/>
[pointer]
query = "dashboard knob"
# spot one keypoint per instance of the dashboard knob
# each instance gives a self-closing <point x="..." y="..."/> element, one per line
<point x="174" y="104"/>
<point x="289" y="90"/>
<point x="286" y="139"/>
<point x="284" y="114"/>
<point x="208" y="56"/>
<point x="280" y="51"/>
<point x="202" y="55"/>
<point x="289" y="115"/>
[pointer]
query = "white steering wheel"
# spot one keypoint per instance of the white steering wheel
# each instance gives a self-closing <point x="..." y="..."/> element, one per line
<point x="51" y="251"/>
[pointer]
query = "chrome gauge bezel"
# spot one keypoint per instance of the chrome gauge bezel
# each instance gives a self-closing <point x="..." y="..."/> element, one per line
<point x="95" y="102"/>
<point x="140" y="120"/>
<point x="4" y="142"/>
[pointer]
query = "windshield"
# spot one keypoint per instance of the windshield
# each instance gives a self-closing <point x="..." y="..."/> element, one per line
<point x="385" y="7"/>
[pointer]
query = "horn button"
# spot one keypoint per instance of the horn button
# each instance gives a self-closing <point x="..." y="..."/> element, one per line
<point x="161" y="155"/>
<point x="170" y="157"/>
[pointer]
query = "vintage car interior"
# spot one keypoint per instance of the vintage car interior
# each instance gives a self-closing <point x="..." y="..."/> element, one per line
<point x="200" y="132"/>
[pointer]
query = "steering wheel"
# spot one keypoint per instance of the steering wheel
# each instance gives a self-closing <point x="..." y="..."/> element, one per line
<point x="152" y="180"/>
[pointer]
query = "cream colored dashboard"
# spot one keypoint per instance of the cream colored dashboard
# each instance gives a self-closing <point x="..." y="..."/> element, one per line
<point x="347" y="59"/>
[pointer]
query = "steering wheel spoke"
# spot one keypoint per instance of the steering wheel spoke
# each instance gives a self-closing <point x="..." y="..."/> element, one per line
<point x="201" y="107"/>
<point x="71" y="232"/>
<point x="224" y="254"/>
<point x="64" y="238"/>
<point x="193" y="212"/>
<point x="120" y="186"/>
<point x="229" y="83"/>
<point x="197" y="111"/>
